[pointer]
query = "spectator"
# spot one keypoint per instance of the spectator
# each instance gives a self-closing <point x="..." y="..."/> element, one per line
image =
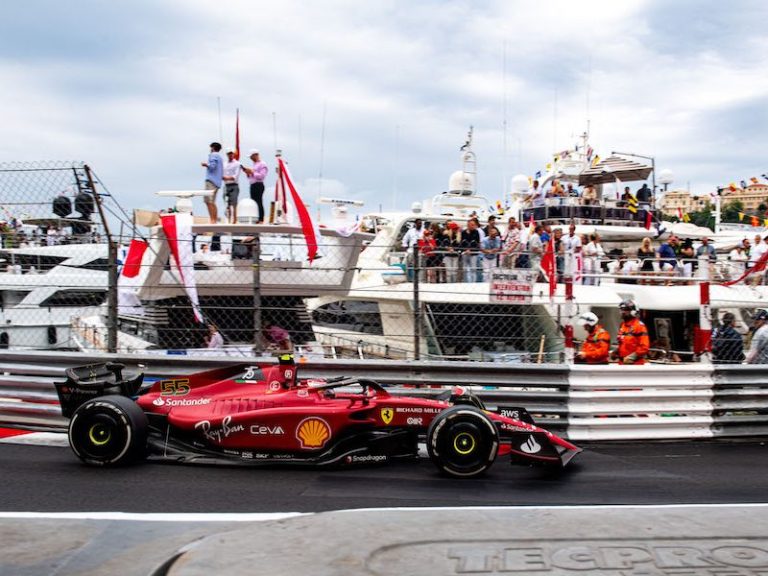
<point x="257" y="173"/>
<point x="738" y="259"/>
<point x="644" y="196"/>
<point x="756" y="251"/>
<point x="706" y="249"/>
<point x="546" y="232"/>
<point x="536" y="198"/>
<point x="214" y="168"/>
<point x="428" y="248"/>
<point x="758" y="350"/>
<point x="747" y="246"/>
<point x="449" y="243"/>
<point x="559" y="254"/>
<point x="589" y="199"/>
<point x="646" y="255"/>
<point x="470" y="247"/>
<point x="410" y="240"/>
<point x="491" y="224"/>
<point x="214" y="339"/>
<point x="633" y="336"/>
<point x="727" y="343"/>
<point x="276" y="337"/>
<point x="668" y="255"/>
<point x="571" y="248"/>
<point x="571" y="191"/>
<point x="686" y="254"/>
<point x="597" y="344"/>
<point x="491" y="246"/>
<point x="230" y="176"/>
<point x="512" y="244"/>
<point x="535" y="249"/>
<point x="593" y="255"/>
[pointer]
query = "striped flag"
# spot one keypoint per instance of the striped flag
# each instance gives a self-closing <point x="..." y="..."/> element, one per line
<point x="311" y="235"/>
<point x="632" y="204"/>
<point x="237" y="135"/>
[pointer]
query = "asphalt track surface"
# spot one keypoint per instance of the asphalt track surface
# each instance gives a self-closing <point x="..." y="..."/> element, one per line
<point x="51" y="479"/>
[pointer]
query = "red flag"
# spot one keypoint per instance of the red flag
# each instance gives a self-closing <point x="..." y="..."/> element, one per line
<point x="306" y="220"/>
<point x="237" y="135"/>
<point x="548" y="265"/>
<point x="759" y="266"/>
<point x="178" y="232"/>
<point x="132" y="265"/>
<point x="648" y="219"/>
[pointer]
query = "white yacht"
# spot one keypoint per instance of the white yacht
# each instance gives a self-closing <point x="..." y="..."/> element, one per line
<point x="375" y="318"/>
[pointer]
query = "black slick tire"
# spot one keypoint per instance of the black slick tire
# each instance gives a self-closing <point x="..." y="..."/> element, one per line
<point x="462" y="442"/>
<point x="108" y="431"/>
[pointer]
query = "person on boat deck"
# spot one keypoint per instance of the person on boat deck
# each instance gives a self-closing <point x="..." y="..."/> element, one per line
<point x="257" y="173"/>
<point x="571" y="191"/>
<point x="536" y="249"/>
<point x="536" y="198"/>
<point x="427" y="248"/>
<point x="755" y="254"/>
<point x="214" y="168"/>
<point x="758" y="349"/>
<point x="644" y="196"/>
<point x="589" y="199"/>
<point x="276" y="337"/>
<point x="633" y="336"/>
<point x="668" y="254"/>
<point x="214" y="339"/>
<point x="727" y="343"/>
<point x="738" y="258"/>
<point x="490" y="247"/>
<point x="470" y="246"/>
<point x="687" y="255"/>
<point x="410" y="239"/>
<point x="597" y="344"/>
<point x="625" y="198"/>
<point x="230" y="176"/>
<point x="512" y="244"/>
<point x="449" y="244"/>
<point x="491" y="224"/>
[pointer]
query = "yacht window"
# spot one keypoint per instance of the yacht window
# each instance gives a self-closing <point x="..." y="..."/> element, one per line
<point x="351" y="315"/>
<point x="10" y="298"/>
<point x="64" y="298"/>
<point x="98" y="264"/>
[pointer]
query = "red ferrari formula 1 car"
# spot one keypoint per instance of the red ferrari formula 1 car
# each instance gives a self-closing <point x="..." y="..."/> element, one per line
<point x="265" y="415"/>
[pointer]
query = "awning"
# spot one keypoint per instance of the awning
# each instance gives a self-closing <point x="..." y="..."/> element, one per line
<point x="613" y="168"/>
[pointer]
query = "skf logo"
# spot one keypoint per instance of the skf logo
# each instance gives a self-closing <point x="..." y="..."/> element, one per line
<point x="387" y="414"/>
<point x="313" y="432"/>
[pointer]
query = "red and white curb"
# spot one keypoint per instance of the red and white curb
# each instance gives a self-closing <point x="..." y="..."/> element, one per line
<point x="14" y="436"/>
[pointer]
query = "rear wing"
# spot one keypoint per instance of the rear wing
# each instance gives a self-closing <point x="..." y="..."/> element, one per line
<point x="84" y="383"/>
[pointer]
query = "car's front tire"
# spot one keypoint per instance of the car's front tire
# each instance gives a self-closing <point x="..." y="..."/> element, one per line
<point x="108" y="431"/>
<point x="462" y="441"/>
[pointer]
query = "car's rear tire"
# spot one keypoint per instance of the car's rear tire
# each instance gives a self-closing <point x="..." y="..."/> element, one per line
<point x="462" y="442"/>
<point x="108" y="431"/>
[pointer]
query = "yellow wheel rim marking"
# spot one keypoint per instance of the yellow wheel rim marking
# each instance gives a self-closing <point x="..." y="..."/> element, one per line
<point x="464" y="443"/>
<point x="98" y="435"/>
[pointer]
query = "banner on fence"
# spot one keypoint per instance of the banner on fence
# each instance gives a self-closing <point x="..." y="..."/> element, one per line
<point x="513" y="285"/>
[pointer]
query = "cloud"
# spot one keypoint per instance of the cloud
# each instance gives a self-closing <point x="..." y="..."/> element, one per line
<point x="378" y="96"/>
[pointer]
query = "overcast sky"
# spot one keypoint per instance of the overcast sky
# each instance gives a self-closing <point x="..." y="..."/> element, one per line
<point x="132" y="88"/>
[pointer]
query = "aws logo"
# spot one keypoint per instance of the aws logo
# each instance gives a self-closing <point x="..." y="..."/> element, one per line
<point x="387" y="414"/>
<point x="313" y="432"/>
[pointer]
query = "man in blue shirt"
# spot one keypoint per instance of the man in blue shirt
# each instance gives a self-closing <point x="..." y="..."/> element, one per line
<point x="214" y="168"/>
<point x="667" y="254"/>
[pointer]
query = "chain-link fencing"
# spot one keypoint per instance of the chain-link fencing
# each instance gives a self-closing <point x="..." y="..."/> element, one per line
<point x="191" y="287"/>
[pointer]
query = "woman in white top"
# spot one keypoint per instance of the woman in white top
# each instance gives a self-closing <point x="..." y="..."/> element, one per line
<point x="593" y="253"/>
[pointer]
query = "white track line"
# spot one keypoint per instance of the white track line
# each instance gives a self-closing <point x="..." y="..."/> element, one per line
<point x="152" y="517"/>
<point x="267" y="516"/>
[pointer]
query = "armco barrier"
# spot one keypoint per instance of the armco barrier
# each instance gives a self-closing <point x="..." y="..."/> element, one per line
<point x="672" y="401"/>
<point x="740" y="402"/>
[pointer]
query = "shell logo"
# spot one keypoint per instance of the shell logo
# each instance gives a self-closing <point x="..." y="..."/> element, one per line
<point x="313" y="432"/>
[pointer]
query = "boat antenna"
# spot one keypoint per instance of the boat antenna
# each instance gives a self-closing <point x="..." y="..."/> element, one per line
<point x="274" y="130"/>
<point x="504" y="125"/>
<point x="394" y="168"/>
<point x="322" y="155"/>
<point x="218" y="104"/>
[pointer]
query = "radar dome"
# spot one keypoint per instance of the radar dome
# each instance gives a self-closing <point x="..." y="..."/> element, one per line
<point x="520" y="183"/>
<point x="461" y="182"/>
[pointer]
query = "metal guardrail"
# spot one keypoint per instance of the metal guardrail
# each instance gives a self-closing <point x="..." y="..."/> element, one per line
<point x="613" y="402"/>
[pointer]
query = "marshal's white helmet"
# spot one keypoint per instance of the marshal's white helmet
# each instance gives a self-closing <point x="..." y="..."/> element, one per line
<point x="587" y="319"/>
